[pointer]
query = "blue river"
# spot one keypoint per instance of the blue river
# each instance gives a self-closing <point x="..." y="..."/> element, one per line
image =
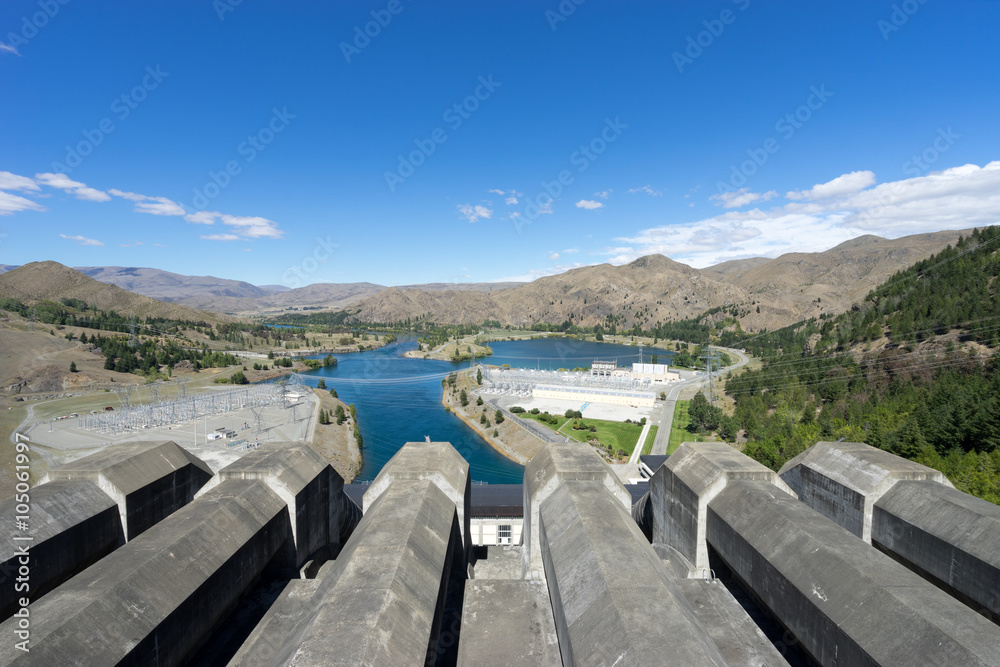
<point x="398" y="400"/>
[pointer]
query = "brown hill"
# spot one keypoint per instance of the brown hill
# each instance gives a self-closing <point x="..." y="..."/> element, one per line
<point x="51" y="281"/>
<point x="655" y="288"/>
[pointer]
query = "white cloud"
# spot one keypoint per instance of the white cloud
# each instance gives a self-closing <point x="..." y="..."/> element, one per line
<point x="82" y="240"/>
<point x="742" y="197"/>
<point x="956" y="198"/>
<point x="570" y="251"/>
<point x="7" y="48"/>
<point x="510" y="201"/>
<point x="253" y="228"/>
<point x="203" y="217"/>
<point x="75" y="188"/>
<point x="554" y="256"/>
<point x="10" y="204"/>
<point x="838" y="187"/>
<point x="221" y="237"/>
<point x="473" y="213"/>
<point x="648" y="190"/>
<point x="131" y="245"/>
<point x="151" y="205"/>
<point x="604" y="193"/>
<point x="9" y="181"/>
<point x="589" y="204"/>
<point x="510" y="196"/>
<point x="497" y="192"/>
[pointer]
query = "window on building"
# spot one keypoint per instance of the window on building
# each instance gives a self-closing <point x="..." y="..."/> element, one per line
<point x="503" y="534"/>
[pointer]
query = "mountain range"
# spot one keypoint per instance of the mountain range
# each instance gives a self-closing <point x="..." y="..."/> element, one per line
<point x="763" y="292"/>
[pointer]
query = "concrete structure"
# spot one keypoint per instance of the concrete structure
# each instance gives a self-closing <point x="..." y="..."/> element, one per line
<point x="641" y="399"/>
<point x="156" y="599"/>
<point x="586" y="587"/>
<point x="683" y="487"/>
<point x="382" y="601"/>
<point x="843" y="480"/>
<point x="844" y="602"/>
<point x="656" y="373"/>
<point x="910" y="512"/>
<point x="71" y="524"/>
<point x="148" y="480"/>
<point x="600" y="368"/>
<point x="949" y="537"/>
<point x="305" y="482"/>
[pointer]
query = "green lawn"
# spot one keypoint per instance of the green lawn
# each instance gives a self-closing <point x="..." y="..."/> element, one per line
<point x="650" y="439"/>
<point x="679" y="428"/>
<point x="618" y="434"/>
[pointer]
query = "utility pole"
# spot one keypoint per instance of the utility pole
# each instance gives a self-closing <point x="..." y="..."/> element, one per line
<point x="711" y="357"/>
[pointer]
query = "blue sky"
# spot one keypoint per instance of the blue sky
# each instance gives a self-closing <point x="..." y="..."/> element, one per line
<point x="279" y="144"/>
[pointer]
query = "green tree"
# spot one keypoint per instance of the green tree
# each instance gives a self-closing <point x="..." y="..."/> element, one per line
<point x="498" y="417"/>
<point x="479" y="400"/>
<point x="463" y="398"/>
<point x="72" y="367"/>
<point x="333" y="392"/>
<point x="479" y="376"/>
<point x="238" y="378"/>
<point x="340" y="415"/>
<point x="321" y="384"/>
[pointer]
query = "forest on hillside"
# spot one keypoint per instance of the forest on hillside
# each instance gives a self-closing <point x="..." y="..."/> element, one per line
<point x="927" y="389"/>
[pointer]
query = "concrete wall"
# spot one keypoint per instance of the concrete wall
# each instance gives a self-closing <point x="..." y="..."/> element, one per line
<point x="682" y="488"/>
<point x="307" y="484"/>
<point x="156" y="599"/>
<point x="72" y="524"/>
<point x="381" y="601"/>
<point x="551" y="466"/>
<point x="949" y="537"/>
<point x="846" y="603"/>
<point x="843" y="480"/>
<point x="148" y="480"/>
<point x="438" y="462"/>
<point x="612" y="599"/>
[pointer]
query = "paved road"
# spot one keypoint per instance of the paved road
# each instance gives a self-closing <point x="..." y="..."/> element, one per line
<point x="665" y="417"/>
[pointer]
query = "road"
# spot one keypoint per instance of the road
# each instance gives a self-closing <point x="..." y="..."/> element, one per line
<point x="665" y="417"/>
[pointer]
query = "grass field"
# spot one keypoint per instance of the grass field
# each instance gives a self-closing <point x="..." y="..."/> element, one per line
<point x="650" y="439"/>
<point x="679" y="428"/>
<point x="618" y="434"/>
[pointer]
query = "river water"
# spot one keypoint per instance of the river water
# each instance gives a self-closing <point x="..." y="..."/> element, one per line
<point x="398" y="400"/>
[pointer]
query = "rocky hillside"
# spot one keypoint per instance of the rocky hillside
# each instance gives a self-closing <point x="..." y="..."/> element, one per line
<point x="51" y="281"/>
<point x="765" y="293"/>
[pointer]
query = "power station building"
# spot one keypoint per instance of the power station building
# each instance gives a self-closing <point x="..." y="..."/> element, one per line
<point x="635" y="399"/>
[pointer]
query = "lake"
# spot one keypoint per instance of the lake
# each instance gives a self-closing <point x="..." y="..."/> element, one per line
<point x="398" y="400"/>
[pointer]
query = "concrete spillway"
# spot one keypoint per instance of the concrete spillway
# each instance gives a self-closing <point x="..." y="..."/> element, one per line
<point x="401" y="584"/>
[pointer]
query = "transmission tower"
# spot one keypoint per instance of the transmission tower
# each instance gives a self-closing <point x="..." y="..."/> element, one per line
<point x="154" y="392"/>
<point x="711" y="358"/>
<point x="31" y="320"/>
<point x="258" y="423"/>
<point x="132" y="340"/>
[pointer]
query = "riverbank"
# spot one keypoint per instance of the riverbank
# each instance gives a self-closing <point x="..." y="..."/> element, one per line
<point x="462" y="350"/>
<point x="511" y="440"/>
<point x="336" y="443"/>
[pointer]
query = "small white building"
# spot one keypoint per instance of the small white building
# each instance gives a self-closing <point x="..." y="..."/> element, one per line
<point x="632" y="398"/>
<point x="496" y="514"/>
<point x="658" y="373"/>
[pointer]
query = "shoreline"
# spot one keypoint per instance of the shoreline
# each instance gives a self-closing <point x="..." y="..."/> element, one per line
<point x="510" y="428"/>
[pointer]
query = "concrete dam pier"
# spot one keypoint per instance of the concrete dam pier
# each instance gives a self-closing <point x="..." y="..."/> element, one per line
<point x="848" y="556"/>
